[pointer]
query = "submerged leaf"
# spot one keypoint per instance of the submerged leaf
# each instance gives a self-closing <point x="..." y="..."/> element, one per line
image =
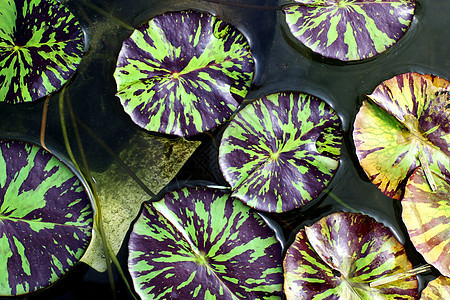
<point x="41" y="45"/>
<point x="340" y="255"/>
<point x="45" y="218"/>
<point x="349" y="29"/>
<point x="405" y="123"/>
<point x="199" y="243"/>
<point x="437" y="289"/>
<point x="426" y="215"/>
<point x="183" y="73"/>
<point x="281" y="151"/>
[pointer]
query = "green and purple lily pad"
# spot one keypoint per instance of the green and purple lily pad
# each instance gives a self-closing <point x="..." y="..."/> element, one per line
<point x="340" y="255"/>
<point x="41" y="45"/>
<point x="199" y="243"/>
<point x="349" y="30"/>
<point x="404" y="124"/>
<point x="281" y="151"/>
<point x="183" y="73"/>
<point x="45" y="218"/>
<point x="437" y="289"/>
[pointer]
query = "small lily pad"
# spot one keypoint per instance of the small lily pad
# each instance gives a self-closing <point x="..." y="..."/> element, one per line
<point x="281" y="151"/>
<point x="41" y="45"/>
<point x="349" y="29"/>
<point x="183" y="73"/>
<point x="338" y="256"/>
<point x="404" y="124"/>
<point x="199" y="243"/>
<point x="437" y="289"/>
<point x="426" y="215"/>
<point x="45" y="218"/>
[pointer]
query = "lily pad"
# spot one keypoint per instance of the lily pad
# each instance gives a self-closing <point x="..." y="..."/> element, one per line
<point x="338" y="256"/>
<point x="199" y="243"/>
<point x="41" y="45"/>
<point x="426" y="215"/>
<point x="281" y="151"/>
<point x="349" y="30"/>
<point x="183" y="73"/>
<point x="404" y="124"/>
<point x="45" y="218"/>
<point x="437" y="289"/>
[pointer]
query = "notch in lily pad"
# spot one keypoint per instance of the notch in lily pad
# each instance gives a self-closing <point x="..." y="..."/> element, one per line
<point x="45" y="218"/>
<point x="41" y="46"/>
<point x="404" y="124"/>
<point x="349" y="30"/>
<point x="183" y="73"/>
<point x="340" y="255"/>
<point x="281" y="151"/>
<point x="199" y="243"/>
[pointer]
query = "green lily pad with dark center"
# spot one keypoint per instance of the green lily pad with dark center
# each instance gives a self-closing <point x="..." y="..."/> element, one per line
<point x="340" y="255"/>
<point x="349" y="30"/>
<point x="183" y="73"/>
<point x="281" y="151"/>
<point x="45" y="218"/>
<point x="41" y="45"/>
<point x="199" y="243"/>
<point x="426" y="215"/>
<point x="404" y="124"/>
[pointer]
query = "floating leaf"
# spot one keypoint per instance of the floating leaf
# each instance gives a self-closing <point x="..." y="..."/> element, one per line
<point x="338" y="257"/>
<point x="281" y="151"/>
<point x="45" y="218"/>
<point x="404" y="124"/>
<point x="183" y="73"/>
<point x="199" y="243"/>
<point x="349" y="29"/>
<point x="426" y="215"/>
<point x="41" y="45"/>
<point x="437" y="289"/>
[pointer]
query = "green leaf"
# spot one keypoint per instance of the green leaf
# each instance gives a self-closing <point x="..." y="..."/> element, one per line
<point x="41" y="45"/>
<point x="199" y="243"/>
<point x="45" y="218"/>
<point x="340" y="255"/>
<point x="404" y="124"/>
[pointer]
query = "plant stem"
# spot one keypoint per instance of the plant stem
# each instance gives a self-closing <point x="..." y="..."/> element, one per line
<point x="44" y="123"/>
<point x="106" y="14"/>
<point x="424" y="163"/>
<point x="407" y="274"/>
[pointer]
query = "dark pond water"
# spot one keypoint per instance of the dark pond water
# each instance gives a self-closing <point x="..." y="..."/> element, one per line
<point x="283" y="64"/>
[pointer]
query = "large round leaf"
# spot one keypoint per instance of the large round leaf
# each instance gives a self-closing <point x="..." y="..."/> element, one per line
<point x="199" y="243"/>
<point x="338" y="257"/>
<point x="405" y="121"/>
<point x="437" y="289"/>
<point x="349" y="29"/>
<point x="281" y="151"/>
<point x="41" y="45"/>
<point x="426" y="215"/>
<point x="45" y="218"/>
<point x="183" y="73"/>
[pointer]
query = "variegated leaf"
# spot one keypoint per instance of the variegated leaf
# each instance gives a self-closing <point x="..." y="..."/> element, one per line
<point x="41" y="45"/>
<point x="45" y="218"/>
<point x="349" y="29"/>
<point x="199" y="243"/>
<point x="405" y="121"/>
<point x="437" y="289"/>
<point x="338" y="257"/>
<point x="281" y="151"/>
<point x="426" y="215"/>
<point x="183" y="73"/>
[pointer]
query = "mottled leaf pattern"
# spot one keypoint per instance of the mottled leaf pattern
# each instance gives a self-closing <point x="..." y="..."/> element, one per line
<point x="338" y="257"/>
<point x="199" y="243"/>
<point x="426" y="215"/>
<point x="183" y="73"/>
<point x="45" y="218"/>
<point x="281" y="151"/>
<point x="437" y="289"/>
<point x="349" y="29"/>
<point x="405" y="117"/>
<point x="41" y="45"/>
